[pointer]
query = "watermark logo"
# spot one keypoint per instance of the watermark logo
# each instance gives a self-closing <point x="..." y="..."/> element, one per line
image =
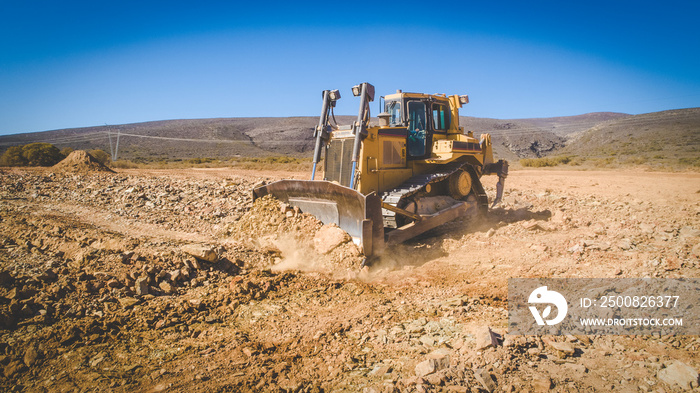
<point x="543" y="296"/>
<point x="586" y="306"/>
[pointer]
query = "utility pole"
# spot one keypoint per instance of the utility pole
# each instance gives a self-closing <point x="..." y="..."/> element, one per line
<point x="109" y="136"/>
<point x="113" y="151"/>
<point x="116" y="151"/>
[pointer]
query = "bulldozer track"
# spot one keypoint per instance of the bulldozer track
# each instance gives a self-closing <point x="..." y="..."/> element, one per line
<point x="417" y="183"/>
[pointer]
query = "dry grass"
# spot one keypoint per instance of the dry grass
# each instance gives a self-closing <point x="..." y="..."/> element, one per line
<point x="252" y="163"/>
<point x="549" y="161"/>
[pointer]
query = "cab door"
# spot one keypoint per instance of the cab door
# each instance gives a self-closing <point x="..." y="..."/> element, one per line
<point x="418" y="138"/>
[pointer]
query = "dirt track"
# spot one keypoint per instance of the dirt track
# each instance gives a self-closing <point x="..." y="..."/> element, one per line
<point x="74" y="247"/>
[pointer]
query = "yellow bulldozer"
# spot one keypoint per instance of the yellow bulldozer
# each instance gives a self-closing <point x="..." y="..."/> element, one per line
<point x="387" y="183"/>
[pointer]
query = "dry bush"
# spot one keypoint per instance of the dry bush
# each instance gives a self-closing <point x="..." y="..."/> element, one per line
<point x="124" y="164"/>
<point x="689" y="161"/>
<point x="547" y="161"/>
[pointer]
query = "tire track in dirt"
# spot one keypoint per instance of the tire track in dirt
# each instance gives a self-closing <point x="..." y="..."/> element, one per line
<point x="127" y="227"/>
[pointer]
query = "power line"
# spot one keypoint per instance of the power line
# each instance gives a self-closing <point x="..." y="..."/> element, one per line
<point x="106" y="135"/>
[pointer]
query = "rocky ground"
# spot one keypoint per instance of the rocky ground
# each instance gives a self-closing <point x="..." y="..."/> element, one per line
<point x="176" y="281"/>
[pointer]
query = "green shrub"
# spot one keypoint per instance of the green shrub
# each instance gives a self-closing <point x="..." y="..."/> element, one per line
<point x="33" y="154"/>
<point x="101" y="156"/>
<point x="13" y="157"/>
<point x="41" y="154"/>
<point x="545" y="161"/>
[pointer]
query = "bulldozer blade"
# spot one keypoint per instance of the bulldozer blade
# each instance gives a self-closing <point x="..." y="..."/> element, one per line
<point x="357" y="214"/>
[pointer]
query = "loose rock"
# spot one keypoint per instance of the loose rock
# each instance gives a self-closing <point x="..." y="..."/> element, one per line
<point x="141" y="286"/>
<point x="679" y="373"/>
<point x="202" y="252"/>
<point x="328" y="238"/>
<point x="485" y="379"/>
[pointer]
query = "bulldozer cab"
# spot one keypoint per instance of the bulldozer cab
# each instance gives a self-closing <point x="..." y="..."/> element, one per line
<point x="423" y="116"/>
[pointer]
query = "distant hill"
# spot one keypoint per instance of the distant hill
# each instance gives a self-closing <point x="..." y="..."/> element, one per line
<point x="668" y="137"/>
<point x="184" y="139"/>
<point x="526" y="138"/>
<point x="593" y="134"/>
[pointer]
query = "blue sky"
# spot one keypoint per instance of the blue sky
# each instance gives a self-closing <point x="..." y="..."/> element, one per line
<point x="77" y="63"/>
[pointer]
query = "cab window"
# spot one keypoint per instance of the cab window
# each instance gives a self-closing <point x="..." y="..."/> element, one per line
<point x="417" y="120"/>
<point x="394" y="109"/>
<point x="440" y="117"/>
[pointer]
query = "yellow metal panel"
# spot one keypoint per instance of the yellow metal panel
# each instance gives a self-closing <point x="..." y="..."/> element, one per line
<point x="368" y="163"/>
<point x="455" y="104"/>
<point x="445" y="151"/>
<point x="393" y="153"/>
<point x="392" y="178"/>
<point x="383" y="159"/>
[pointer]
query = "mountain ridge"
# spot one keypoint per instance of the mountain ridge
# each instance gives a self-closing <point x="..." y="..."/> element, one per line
<point x="222" y="138"/>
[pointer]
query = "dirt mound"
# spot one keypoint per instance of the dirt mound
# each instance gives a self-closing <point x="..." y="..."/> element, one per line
<point x="81" y="161"/>
<point x="298" y="240"/>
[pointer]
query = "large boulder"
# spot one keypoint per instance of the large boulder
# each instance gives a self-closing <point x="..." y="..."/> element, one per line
<point x="330" y="237"/>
